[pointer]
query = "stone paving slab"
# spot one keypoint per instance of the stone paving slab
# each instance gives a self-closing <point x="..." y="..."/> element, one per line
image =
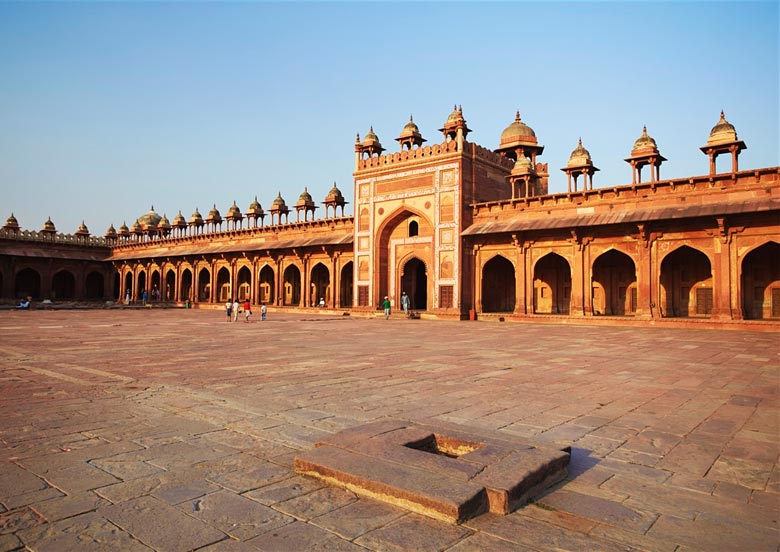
<point x="674" y="432"/>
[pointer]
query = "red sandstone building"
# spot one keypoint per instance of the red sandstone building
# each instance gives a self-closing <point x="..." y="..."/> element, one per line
<point x="463" y="230"/>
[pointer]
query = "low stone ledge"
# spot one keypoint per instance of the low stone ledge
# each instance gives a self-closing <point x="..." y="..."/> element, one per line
<point x="445" y="471"/>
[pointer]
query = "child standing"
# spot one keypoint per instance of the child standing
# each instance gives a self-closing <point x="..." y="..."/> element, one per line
<point x="247" y="310"/>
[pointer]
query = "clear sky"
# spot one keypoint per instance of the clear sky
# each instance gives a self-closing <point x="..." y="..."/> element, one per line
<point x="108" y="108"/>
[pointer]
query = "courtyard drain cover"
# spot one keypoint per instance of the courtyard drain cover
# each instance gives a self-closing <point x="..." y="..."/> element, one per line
<point x="445" y="471"/>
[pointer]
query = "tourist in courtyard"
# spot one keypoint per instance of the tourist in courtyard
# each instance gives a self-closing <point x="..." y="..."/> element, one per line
<point x="322" y="303"/>
<point x="235" y="310"/>
<point x="25" y="303"/>
<point x="247" y="310"/>
<point x="263" y="311"/>
<point x="405" y="303"/>
<point x="144" y="297"/>
<point x="229" y="309"/>
<point x="127" y="297"/>
<point x="386" y="306"/>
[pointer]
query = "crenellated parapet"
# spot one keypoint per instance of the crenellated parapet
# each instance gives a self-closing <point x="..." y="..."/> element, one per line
<point x="408" y="155"/>
<point x="54" y="237"/>
<point x="761" y="186"/>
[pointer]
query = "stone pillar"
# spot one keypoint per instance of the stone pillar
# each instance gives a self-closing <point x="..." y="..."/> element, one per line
<point x="721" y="279"/>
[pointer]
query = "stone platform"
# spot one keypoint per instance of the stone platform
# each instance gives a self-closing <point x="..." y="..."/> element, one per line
<point x="445" y="471"/>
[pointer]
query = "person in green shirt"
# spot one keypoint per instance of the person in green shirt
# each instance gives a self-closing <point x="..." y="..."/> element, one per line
<point x="386" y="306"/>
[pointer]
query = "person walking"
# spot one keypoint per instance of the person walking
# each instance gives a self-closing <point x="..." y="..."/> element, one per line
<point x="263" y="311"/>
<point x="229" y="309"/>
<point x="247" y="310"/>
<point x="405" y="303"/>
<point x="235" y="310"/>
<point x="386" y="306"/>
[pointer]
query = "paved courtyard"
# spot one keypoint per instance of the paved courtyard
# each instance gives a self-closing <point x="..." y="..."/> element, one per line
<point x="164" y="430"/>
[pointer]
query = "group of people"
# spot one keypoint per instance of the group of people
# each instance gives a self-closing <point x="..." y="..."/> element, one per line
<point x="405" y="304"/>
<point x="233" y="308"/>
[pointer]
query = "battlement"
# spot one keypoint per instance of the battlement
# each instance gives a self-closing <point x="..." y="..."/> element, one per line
<point x="763" y="182"/>
<point x="54" y="238"/>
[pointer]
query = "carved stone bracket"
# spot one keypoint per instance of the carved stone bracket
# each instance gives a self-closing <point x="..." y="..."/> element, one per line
<point x="579" y="240"/>
<point x="645" y="235"/>
<point x="724" y="231"/>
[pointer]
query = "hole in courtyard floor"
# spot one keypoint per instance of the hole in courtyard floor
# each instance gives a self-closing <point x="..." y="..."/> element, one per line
<point x="442" y="470"/>
<point x="444" y="446"/>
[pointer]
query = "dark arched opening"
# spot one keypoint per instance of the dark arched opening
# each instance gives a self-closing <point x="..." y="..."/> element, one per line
<point x="320" y="285"/>
<point x="761" y="282"/>
<point x="614" y="284"/>
<point x="686" y="283"/>
<point x="498" y="285"/>
<point x="27" y="283"/>
<point x="414" y="281"/>
<point x="224" y="291"/>
<point x="63" y="285"/>
<point x="552" y="285"/>
<point x="346" y="285"/>
<point x="95" y="286"/>
<point x="292" y="286"/>
<point x="267" y="285"/>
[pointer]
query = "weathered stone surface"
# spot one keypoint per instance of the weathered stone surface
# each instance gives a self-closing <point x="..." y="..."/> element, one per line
<point x="433" y="465"/>
<point x="161" y="526"/>
<point x="413" y="533"/>
<point x="69" y="506"/>
<point x="358" y="518"/>
<point x="235" y="515"/>
<point x="86" y="532"/>
<point x="294" y="536"/>
<point x="316" y="503"/>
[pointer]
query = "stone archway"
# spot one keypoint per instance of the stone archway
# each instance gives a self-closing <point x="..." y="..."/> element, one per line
<point x="552" y="285"/>
<point x="761" y="282"/>
<point x="169" y="290"/>
<point x="224" y="288"/>
<point x="614" y="284"/>
<point x="141" y="285"/>
<point x="27" y="282"/>
<point x="414" y="281"/>
<point x="498" y="285"/>
<point x="204" y="285"/>
<point x="95" y="285"/>
<point x="267" y="285"/>
<point x="320" y="285"/>
<point x="346" y="282"/>
<point x="395" y="245"/>
<point x="63" y="285"/>
<point x="185" y="294"/>
<point x="291" y="295"/>
<point x="686" y="283"/>
<point x="128" y="288"/>
<point x="244" y="284"/>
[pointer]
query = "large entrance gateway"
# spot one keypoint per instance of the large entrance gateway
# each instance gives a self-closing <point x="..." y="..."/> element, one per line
<point x="414" y="281"/>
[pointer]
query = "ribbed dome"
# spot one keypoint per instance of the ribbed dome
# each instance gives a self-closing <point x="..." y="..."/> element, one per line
<point x="305" y="200"/>
<point x="48" y="226"/>
<point x="644" y="142"/>
<point x="518" y="133"/>
<point x="234" y="212"/>
<point x="723" y="132"/>
<point x="124" y="230"/>
<point x="152" y="218"/>
<point x="255" y="208"/>
<point x="523" y="165"/>
<point x="111" y="232"/>
<point x="371" y="140"/>
<point x="456" y="116"/>
<point x="11" y="222"/>
<point x="410" y="130"/>
<point x="82" y="229"/>
<point x="279" y="202"/>
<point x="164" y="222"/>
<point x="579" y="157"/>
<point x="179" y="220"/>
<point x="334" y="194"/>
<point x="214" y="215"/>
<point x="196" y="218"/>
<point x="136" y="229"/>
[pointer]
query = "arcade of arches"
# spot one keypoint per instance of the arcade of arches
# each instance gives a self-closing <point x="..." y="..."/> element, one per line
<point x="463" y="230"/>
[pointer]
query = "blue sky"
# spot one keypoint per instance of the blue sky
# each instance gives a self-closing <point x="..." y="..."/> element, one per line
<point x="107" y="108"/>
